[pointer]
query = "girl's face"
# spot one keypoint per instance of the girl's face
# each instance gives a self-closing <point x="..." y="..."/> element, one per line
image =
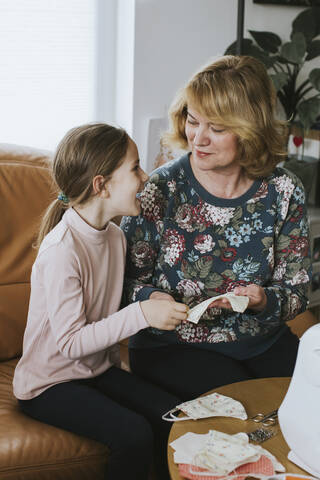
<point x="126" y="182"/>
<point x="212" y="146"/>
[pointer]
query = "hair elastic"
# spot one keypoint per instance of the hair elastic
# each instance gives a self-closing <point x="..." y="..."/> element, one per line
<point x="63" y="197"/>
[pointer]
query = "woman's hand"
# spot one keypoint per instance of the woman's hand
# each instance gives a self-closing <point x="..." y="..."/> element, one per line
<point x="161" y="296"/>
<point x="164" y="314"/>
<point x="255" y="293"/>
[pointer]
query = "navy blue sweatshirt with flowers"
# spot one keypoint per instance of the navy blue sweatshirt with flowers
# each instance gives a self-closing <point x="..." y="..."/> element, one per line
<point x="194" y="245"/>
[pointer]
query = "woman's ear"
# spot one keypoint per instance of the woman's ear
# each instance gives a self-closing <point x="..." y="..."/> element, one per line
<point x="100" y="186"/>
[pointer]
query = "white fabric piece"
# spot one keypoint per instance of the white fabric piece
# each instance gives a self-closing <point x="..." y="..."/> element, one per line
<point x="213" y="405"/>
<point x="297" y="461"/>
<point x="301" y="403"/>
<point x="186" y="446"/>
<point x="238" y="303"/>
<point x="224" y="453"/>
<point x="190" y="444"/>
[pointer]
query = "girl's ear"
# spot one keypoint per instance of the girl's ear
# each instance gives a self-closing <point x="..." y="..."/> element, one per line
<point x="100" y="186"/>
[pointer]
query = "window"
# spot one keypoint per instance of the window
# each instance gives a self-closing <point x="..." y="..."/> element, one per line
<point x="49" y="75"/>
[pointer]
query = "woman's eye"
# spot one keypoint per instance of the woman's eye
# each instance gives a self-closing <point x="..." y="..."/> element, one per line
<point x="217" y="130"/>
<point x="192" y="122"/>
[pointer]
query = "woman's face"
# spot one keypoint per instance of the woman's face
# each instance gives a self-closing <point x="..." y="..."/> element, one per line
<point x="212" y="146"/>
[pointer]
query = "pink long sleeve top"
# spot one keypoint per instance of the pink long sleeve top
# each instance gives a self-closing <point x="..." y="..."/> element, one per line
<point x="73" y="322"/>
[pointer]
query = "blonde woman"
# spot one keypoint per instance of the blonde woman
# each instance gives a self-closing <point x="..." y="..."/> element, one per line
<point x="222" y="218"/>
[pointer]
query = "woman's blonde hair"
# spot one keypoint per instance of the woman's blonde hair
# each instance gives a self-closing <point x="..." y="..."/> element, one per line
<point x="236" y="93"/>
<point x="84" y="152"/>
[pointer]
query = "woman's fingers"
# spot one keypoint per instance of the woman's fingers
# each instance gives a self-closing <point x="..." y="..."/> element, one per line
<point x="181" y="307"/>
<point x="221" y="303"/>
<point x="179" y="316"/>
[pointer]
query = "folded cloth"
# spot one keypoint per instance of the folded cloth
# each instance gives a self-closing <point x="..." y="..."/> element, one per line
<point x="224" y="453"/>
<point x="212" y="405"/>
<point x="238" y="303"/>
<point x="262" y="467"/>
<point x="189" y="445"/>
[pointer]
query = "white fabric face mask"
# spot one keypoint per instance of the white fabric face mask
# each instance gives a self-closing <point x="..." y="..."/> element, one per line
<point x="238" y="303"/>
<point x="213" y="405"/>
<point x="223" y="453"/>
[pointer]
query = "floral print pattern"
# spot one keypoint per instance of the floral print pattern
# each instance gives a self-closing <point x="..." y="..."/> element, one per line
<point x="194" y="246"/>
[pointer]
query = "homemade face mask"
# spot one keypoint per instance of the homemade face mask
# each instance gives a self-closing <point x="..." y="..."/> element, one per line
<point x="213" y="405"/>
<point x="223" y="453"/>
<point x="218" y="452"/>
<point x="238" y="303"/>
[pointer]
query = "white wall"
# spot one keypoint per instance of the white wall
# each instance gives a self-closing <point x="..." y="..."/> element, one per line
<point x="173" y="38"/>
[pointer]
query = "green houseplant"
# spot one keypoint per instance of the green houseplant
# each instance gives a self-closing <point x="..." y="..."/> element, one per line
<point x="285" y="61"/>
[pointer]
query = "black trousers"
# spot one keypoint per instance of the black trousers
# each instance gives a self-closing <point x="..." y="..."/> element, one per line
<point x="187" y="371"/>
<point x="117" y="409"/>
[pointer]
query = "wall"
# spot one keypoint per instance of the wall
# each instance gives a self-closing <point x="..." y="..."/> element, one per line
<point x="172" y="39"/>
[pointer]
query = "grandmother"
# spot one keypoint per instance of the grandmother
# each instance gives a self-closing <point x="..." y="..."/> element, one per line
<point x="222" y="218"/>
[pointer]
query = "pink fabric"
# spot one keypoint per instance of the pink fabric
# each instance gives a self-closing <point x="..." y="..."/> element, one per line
<point x="73" y="323"/>
<point x="263" y="466"/>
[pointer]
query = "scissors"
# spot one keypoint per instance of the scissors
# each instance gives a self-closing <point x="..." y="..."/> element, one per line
<point x="266" y="419"/>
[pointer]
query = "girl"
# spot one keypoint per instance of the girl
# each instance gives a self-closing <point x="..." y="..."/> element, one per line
<point x="69" y="373"/>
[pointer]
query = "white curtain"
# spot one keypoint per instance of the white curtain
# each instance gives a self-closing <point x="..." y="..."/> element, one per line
<point x="48" y="69"/>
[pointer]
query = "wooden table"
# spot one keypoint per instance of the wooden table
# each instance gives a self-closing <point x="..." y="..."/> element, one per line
<point x="262" y="395"/>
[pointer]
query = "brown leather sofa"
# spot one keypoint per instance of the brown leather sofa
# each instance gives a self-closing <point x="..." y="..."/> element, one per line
<point x="29" y="450"/>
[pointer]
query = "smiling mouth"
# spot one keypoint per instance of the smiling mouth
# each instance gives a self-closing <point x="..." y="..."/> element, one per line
<point x="202" y="154"/>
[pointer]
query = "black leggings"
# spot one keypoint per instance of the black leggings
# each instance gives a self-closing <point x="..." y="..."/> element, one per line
<point x="117" y="409"/>
<point x="187" y="371"/>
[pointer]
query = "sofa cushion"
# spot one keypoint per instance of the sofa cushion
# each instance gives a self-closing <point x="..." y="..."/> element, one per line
<point x="30" y="449"/>
<point x="26" y="191"/>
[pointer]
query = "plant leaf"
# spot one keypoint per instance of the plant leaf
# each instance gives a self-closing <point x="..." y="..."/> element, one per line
<point x="308" y="23"/>
<point x="308" y="111"/>
<point x="231" y="50"/>
<point x="314" y="77"/>
<point x="294" y="51"/>
<point x="266" y="40"/>
<point x="279" y="79"/>
<point x="313" y="49"/>
<point x="253" y="51"/>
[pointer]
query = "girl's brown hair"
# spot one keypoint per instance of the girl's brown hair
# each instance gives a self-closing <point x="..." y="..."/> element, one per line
<point x="236" y="93"/>
<point x="84" y="152"/>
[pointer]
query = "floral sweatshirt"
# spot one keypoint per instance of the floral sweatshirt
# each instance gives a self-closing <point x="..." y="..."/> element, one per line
<point x="194" y="246"/>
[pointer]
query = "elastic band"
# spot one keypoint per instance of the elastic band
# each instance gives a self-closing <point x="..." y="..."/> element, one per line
<point x="63" y="197"/>
<point x="174" y="418"/>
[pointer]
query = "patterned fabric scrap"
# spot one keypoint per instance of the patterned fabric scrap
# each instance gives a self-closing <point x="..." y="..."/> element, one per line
<point x="263" y="467"/>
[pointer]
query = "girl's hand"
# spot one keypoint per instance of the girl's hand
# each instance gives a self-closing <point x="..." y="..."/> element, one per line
<point x="164" y="314"/>
<point x="256" y="294"/>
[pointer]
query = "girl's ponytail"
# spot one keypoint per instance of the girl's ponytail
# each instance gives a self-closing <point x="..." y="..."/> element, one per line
<point x="51" y="218"/>
<point x="84" y="152"/>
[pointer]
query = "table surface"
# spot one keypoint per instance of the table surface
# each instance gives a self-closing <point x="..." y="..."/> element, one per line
<point x="262" y="395"/>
